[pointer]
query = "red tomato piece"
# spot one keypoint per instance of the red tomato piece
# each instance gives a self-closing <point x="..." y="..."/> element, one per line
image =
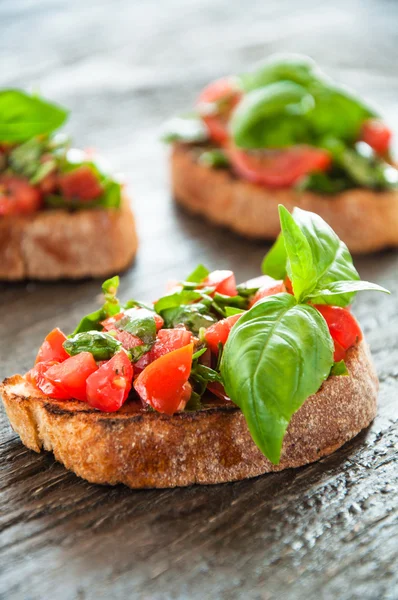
<point x="377" y="135"/>
<point x="343" y="327"/>
<point x="219" y="332"/>
<point x="162" y="383"/>
<point x="224" y="282"/>
<point x="216" y="388"/>
<point x="269" y="287"/>
<point x="18" y="197"/>
<point x="52" y="348"/>
<point x="69" y="377"/>
<point x="81" y="184"/>
<point x="167" y="340"/>
<point x="288" y="285"/>
<point x="37" y="377"/>
<point x="108" y="388"/>
<point x="215" y="105"/>
<point x="278" y="168"/>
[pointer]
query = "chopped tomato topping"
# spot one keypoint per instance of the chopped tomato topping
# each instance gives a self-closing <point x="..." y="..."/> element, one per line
<point x="17" y="196"/>
<point x="109" y="323"/>
<point x="52" y="348"/>
<point x="108" y="388"/>
<point x="162" y="383"/>
<point x="36" y="377"/>
<point x="377" y="135"/>
<point x="343" y="327"/>
<point x="216" y="388"/>
<point x="278" y="168"/>
<point x="268" y="288"/>
<point x="224" y="282"/>
<point x="81" y="183"/>
<point x="69" y="377"/>
<point x="167" y="340"/>
<point x="218" y="333"/>
<point x="288" y="285"/>
<point x="215" y="105"/>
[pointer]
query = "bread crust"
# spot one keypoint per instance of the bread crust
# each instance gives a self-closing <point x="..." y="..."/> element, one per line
<point x="145" y="449"/>
<point x="364" y="219"/>
<point x="57" y="244"/>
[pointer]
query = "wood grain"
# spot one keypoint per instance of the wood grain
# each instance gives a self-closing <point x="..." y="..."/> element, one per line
<point x="325" y="531"/>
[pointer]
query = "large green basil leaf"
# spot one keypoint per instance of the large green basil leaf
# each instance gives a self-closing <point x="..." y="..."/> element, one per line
<point x="23" y="116"/>
<point x="274" y="262"/>
<point x="276" y="356"/>
<point x="101" y="345"/>
<point x="330" y="256"/>
<point x="274" y="110"/>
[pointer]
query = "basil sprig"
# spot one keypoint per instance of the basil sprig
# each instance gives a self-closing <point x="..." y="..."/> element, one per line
<point x="280" y="351"/>
<point x="23" y="116"/>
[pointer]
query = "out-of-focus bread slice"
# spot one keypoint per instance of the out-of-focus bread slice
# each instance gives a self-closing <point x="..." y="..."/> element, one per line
<point x="57" y="244"/>
<point x="365" y="220"/>
<point x="142" y="448"/>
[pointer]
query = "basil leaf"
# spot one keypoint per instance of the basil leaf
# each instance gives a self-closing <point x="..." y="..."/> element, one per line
<point x="198" y="353"/>
<point x="109" y="289"/>
<point x="186" y="129"/>
<point x="368" y="171"/>
<point x="193" y="316"/>
<point x="339" y="369"/>
<point x="231" y="310"/>
<point x="176" y="299"/>
<point x="259" y="111"/>
<point x="330" y="255"/>
<point x="198" y="274"/>
<point x="325" y="183"/>
<point x="300" y="267"/>
<point x="101" y="345"/>
<point x="140" y="323"/>
<point x="336" y="288"/>
<point x="277" y="355"/>
<point x="282" y="67"/>
<point x="274" y="262"/>
<point x="23" y="116"/>
<point x="215" y="159"/>
<point x="25" y="158"/>
<point x="238" y="301"/>
<point x="91" y="322"/>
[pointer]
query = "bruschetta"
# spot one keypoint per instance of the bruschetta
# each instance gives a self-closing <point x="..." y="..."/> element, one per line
<point x="286" y="133"/>
<point x="62" y="215"/>
<point x="213" y="382"/>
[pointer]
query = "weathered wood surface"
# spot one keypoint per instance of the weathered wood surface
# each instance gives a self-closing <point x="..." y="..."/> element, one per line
<point x="326" y="531"/>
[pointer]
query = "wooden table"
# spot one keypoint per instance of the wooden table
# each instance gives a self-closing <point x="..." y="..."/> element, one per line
<point x="325" y="531"/>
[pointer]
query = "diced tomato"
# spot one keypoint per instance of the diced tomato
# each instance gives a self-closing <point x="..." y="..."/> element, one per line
<point x="269" y="287"/>
<point x="215" y="105"/>
<point x="377" y="135"/>
<point x="128" y="339"/>
<point x="69" y="377"/>
<point x="278" y="168"/>
<point x="216" y="388"/>
<point x="167" y="340"/>
<point x="219" y="332"/>
<point x="343" y="327"/>
<point x="52" y="348"/>
<point x="36" y="377"/>
<point x="81" y="184"/>
<point x="108" y="388"/>
<point x="18" y="197"/>
<point x="162" y="383"/>
<point x="224" y="282"/>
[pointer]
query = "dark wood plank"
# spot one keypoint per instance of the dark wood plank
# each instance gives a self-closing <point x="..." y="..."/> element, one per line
<point x="325" y="531"/>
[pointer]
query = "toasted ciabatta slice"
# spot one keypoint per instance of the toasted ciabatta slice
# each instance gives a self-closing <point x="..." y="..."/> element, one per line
<point x="56" y="244"/>
<point x="143" y="448"/>
<point x="364" y="219"/>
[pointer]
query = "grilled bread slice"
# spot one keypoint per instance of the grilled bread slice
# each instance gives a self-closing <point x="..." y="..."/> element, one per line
<point x="57" y="244"/>
<point x="364" y="219"/>
<point x="146" y="449"/>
